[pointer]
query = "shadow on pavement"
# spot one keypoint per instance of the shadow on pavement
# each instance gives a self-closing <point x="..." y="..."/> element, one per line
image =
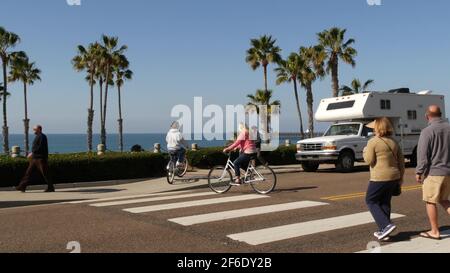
<point x="295" y="189"/>
<point x="408" y="235"/>
<point x="16" y="204"/>
<point x="93" y="191"/>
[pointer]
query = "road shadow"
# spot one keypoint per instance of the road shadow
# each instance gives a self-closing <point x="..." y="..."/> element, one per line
<point x="357" y="169"/>
<point x="408" y="235"/>
<point x="17" y="204"/>
<point x="92" y="191"/>
<point x="295" y="189"/>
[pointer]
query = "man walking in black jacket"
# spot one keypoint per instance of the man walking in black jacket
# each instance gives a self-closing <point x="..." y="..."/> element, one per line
<point x="38" y="168"/>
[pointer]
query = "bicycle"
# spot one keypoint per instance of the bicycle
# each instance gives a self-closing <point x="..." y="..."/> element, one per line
<point x="262" y="178"/>
<point x="174" y="170"/>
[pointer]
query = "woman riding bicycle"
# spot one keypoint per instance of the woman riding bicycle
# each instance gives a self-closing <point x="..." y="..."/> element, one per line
<point x="248" y="151"/>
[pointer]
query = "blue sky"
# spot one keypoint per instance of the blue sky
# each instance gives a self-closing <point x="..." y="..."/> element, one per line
<point x="184" y="48"/>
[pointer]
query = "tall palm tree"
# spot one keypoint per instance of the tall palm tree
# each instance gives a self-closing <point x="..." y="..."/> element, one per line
<point x="121" y="74"/>
<point x="262" y="53"/>
<point x="337" y="48"/>
<point x="8" y="40"/>
<point x="356" y="87"/>
<point x="87" y="60"/>
<point x="288" y="71"/>
<point x="312" y="61"/>
<point x="111" y="54"/>
<point x="27" y="73"/>
<point x="1" y="92"/>
<point x="263" y="98"/>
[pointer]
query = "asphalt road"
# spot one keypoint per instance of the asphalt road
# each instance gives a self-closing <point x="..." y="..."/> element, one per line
<point x="108" y="228"/>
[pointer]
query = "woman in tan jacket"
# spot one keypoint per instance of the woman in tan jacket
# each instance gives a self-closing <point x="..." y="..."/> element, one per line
<point x="387" y="168"/>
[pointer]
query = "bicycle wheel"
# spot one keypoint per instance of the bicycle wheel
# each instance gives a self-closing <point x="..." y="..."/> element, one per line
<point x="182" y="172"/>
<point x="171" y="172"/>
<point x="219" y="179"/>
<point x="265" y="180"/>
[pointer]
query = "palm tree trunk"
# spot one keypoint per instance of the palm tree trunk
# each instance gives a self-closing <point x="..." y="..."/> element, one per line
<point x="90" y="120"/>
<point x="120" y="120"/>
<point x="335" y="78"/>
<point x="302" y="132"/>
<point x="104" y="107"/>
<point x="101" y="109"/>
<point x="265" y="78"/>
<point x="5" y="119"/>
<point x="310" y="101"/>
<point x="26" y="121"/>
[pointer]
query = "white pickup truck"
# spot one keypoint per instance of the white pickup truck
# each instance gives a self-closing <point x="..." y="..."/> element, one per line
<point x="342" y="145"/>
<point x="344" y="141"/>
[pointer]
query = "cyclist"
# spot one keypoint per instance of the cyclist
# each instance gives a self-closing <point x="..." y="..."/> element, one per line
<point x="176" y="144"/>
<point x="248" y="150"/>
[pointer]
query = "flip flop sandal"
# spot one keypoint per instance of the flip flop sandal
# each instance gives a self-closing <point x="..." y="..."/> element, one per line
<point x="427" y="235"/>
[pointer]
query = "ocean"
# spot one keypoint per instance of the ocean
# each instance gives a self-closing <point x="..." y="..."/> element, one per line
<point x="74" y="143"/>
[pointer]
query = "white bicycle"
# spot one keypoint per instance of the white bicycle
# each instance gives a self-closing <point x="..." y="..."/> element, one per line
<point x="262" y="178"/>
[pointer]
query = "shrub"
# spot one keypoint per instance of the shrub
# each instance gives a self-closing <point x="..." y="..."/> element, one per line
<point x="88" y="167"/>
<point x="83" y="167"/>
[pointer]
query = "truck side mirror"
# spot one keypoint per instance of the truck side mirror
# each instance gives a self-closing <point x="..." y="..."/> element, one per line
<point x="371" y="134"/>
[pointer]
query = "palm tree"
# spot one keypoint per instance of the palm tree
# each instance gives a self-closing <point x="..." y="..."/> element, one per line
<point x="1" y="92"/>
<point x="27" y="73"/>
<point x="334" y="44"/>
<point x="262" y="53"/>
<point x="121" y="74"/>
<point x="263" y="98"/>
<point x="312" y="61"/>
<point x="8" y="40"/>
<point x="288" y="71"/>
<point x="356" y="87"/>
<point x="111" y="55"/>
<point x="86" y="60"/>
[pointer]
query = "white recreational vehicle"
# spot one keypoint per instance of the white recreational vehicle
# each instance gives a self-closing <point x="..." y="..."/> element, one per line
<point x="344" y="141"/>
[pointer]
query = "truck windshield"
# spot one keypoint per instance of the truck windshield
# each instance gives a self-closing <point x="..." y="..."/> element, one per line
<point x="343" y="130"/>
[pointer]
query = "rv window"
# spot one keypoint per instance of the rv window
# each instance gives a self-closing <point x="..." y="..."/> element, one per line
<point x="341" y="105"/>
<point x="385" y="104"/>
<point x="412" y="115"/>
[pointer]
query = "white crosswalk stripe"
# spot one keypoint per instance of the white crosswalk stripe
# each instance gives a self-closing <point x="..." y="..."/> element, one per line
<point x="416" y="245"/>
<point x="127" y="197"/>
<point x="152" y="199"/>
<point x="266" y="235"/>
<point x="274" y="234"/>
<point x="232" y="214"/>
<point x="195" y="203"/>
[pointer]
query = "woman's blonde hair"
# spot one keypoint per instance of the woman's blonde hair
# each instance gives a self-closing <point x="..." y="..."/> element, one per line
<point x="243" y="127"/>
<point x="383" y="127"/>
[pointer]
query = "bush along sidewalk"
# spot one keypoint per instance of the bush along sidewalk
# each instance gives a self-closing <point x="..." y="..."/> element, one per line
<point x="72" y="168"/>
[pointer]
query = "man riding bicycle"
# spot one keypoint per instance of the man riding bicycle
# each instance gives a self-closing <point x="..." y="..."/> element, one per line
<point x="176" y="144"/>
<point x="248" y="151"/>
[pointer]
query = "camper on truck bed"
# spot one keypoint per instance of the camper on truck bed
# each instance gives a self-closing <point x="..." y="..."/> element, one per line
<point x="344" y="141"/>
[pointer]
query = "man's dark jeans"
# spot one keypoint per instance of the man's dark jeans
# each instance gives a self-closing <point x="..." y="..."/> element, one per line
<point x="36" y="173"/>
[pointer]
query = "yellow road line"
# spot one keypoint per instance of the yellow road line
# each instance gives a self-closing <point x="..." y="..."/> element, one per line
<point x="363" y="194"/>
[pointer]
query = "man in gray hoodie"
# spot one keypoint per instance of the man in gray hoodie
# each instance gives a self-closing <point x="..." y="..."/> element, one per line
<point x="433" y="169"/>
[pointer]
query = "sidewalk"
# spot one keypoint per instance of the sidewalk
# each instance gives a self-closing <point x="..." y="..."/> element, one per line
<point x="106" y="189"/>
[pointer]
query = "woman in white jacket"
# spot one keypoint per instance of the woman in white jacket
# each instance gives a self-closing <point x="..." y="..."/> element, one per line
<point x="176" y="144"/>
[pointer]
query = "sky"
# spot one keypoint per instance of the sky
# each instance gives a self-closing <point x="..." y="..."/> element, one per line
<point x="180" y="49"/>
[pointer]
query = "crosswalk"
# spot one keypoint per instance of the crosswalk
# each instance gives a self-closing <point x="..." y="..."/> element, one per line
<point x="173" y="201"/>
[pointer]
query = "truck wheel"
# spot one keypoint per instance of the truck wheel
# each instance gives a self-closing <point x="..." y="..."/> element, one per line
<point x="310" y="167"/>
<point x="346" y="162"/>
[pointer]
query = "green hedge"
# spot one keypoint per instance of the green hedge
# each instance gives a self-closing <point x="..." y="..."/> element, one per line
<point x="70" y="168"/>
<point x="88" y="167"/>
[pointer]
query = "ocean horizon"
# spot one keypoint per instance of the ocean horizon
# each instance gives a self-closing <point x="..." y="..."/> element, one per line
<point x="76" y="143"/>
